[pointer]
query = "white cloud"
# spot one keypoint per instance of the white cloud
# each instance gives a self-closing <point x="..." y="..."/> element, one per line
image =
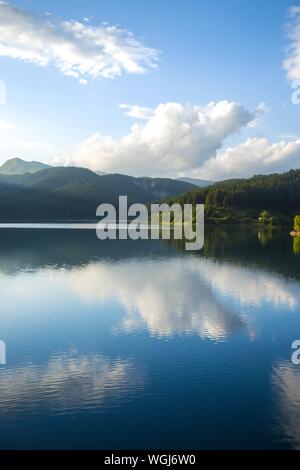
<point x="294" y="10"/>
<point x="256" y="155"/>
<point x="138" y="112"/>
<point x="175" y="139"/>
<point x="261" y="111"/>
<point x="178" y="140"/>
<point x="77" y="49"/>
<point x="292" y="62"/>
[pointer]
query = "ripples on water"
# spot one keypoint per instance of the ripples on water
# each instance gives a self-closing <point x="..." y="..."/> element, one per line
<point x="67" y="384"/>
<point x="120" y="339"/>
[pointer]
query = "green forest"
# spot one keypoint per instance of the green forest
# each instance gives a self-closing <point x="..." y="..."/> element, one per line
<point x="270" y="200"/>
<point x="66" y="194"/>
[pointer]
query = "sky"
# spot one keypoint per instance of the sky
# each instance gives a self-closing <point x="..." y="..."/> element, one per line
<point x="199" y="88"/>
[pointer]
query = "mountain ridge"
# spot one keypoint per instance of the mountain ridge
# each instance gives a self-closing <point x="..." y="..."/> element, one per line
<point x="69" y="193"/>
<point x="72" y="193"/>
<point x="17" y="166"/>
<point x="197" y="182"/>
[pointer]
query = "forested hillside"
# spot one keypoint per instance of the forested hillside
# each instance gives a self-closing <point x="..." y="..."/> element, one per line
<point x="59" y="193"/>
<point x="231" y="200"/>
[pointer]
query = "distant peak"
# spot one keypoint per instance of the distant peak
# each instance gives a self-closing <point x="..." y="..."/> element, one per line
<point x="17" y="166"/>
<point x="15" y="159"/>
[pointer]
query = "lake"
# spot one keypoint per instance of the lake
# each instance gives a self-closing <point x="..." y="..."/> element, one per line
<point x="139" y="344"/>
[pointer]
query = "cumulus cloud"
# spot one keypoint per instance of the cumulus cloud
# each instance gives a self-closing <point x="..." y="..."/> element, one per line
<point x="292" y="61"/>
<point x="256" y="155"/>
<point x="180" y="140"/>
<point x="76" y="49"/>
<point x="175" y="139"/>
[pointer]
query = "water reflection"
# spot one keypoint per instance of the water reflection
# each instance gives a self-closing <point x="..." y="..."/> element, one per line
<point x="183" y="296"/>
<point x="167" y="297"/>
<point x="265" y="236"/>
<point x="167" y="292"/>
<point x="68" y="384"/>
<point x="296" y="245"/>
<point x="159" y="338"/>
<point x="250" y="286"/>
<point x="286" y="382"/>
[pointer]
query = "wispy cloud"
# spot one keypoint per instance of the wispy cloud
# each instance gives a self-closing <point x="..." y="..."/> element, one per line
<point x="138" y="112"/>
<point x="292" y="62"/>
<point x="76" y="49"/>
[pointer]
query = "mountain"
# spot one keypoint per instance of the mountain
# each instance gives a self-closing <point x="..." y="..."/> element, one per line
<point x="244" y="199"/>
<point x="17" y="166"/>
<point x="197" y="182"/>
<point x="194" y="181"/>
<point x="69" y="193"/>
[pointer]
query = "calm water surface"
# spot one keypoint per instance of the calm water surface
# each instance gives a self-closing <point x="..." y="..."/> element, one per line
<point x="127" y="345"/>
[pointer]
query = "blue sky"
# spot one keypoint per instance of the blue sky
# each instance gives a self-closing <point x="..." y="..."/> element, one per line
<point x="209" y="51"/>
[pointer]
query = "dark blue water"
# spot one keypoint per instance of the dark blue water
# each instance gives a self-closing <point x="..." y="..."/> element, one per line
<point x="127" y="345"/>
